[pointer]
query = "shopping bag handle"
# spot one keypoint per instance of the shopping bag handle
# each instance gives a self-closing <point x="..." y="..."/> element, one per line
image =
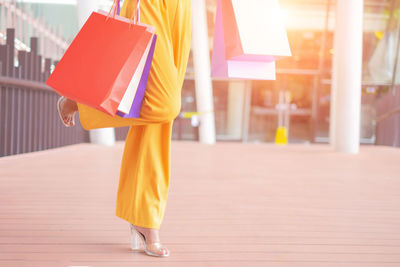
<point x="115" y="10"/>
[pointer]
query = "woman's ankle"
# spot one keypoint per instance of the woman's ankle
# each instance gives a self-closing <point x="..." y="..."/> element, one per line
<point x="151" y="234"/>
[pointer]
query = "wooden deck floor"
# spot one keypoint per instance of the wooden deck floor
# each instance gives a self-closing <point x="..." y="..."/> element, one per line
<point x="230" y="204"/>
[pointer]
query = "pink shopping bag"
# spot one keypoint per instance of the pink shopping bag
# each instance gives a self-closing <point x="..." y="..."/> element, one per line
<point x="240" y="69"/>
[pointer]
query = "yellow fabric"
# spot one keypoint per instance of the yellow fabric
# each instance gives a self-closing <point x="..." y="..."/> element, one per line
<point x="145" y="167"/>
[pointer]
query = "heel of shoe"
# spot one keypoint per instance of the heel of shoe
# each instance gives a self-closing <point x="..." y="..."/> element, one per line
<point x="152" y="249"/>
<point x="135" y="239"/>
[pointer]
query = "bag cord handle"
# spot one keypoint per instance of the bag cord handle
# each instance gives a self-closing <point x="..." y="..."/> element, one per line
<point x="116" y="9"/>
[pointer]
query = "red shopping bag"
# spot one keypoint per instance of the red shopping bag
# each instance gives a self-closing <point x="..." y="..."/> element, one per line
<point x="99" y="64"/>
<point x="254" y="30"/>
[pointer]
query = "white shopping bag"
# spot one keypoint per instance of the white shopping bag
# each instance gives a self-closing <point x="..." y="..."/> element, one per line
<point x="381" y="64"/>
<point x="256" y="30"/>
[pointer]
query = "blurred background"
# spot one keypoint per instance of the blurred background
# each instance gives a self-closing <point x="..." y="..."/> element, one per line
<point x="245" y="111"/>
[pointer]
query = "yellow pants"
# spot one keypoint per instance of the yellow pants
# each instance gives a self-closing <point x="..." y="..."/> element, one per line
<point x="145" y="167"/>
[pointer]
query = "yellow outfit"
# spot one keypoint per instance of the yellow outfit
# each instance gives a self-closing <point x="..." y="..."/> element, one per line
<point x="145" y="167"/>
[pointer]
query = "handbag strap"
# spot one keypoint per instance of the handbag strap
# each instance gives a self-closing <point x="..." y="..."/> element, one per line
<point x="115" y="8"/>
<point x="118" y="7"/>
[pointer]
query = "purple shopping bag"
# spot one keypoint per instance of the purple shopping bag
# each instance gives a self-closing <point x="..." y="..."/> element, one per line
<point x="137" y="101"/>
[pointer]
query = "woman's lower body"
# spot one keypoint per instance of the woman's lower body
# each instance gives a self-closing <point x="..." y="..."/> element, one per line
<point x="145" y="167"/>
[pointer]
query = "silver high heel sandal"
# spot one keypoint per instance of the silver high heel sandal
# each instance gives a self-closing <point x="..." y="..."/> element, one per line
<point x="59" y="110"/>
<point x="149" y="248"/>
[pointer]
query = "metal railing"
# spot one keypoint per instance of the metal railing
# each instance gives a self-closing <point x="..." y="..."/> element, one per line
<point x="52" y="44"/>
<point x="28" y="114"/>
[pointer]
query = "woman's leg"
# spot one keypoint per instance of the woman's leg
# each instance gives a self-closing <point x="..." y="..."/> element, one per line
<point x="145" y="174"/>
<point x="145" y="168"/>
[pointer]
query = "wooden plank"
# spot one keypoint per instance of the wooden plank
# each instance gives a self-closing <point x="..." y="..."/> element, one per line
<point x="230" y="204"/>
